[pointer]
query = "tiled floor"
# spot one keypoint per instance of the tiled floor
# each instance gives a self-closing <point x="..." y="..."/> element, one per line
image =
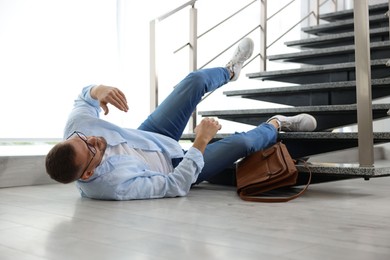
<point x="339" y="220"/>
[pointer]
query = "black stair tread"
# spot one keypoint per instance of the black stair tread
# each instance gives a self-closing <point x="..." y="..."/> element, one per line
<point x="321" y="172"/>
<point x="320" y="73"/>
<point x="348" y="14"/>
<point x="304" y="144"/>
<point x="347" y="169"/>
<point x="333" y="54"/>
<point x="288" y="111"/>
<point x="340" y="85"/>
<point x="328" y="117"/>
<point x="337" y="39"/>
<point x="344" y="25"/>
<point x="379" y="137"/>
<point x="330" y="93"/>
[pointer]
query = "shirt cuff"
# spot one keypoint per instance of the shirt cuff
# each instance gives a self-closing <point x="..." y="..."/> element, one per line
<point x="195" y="155"/>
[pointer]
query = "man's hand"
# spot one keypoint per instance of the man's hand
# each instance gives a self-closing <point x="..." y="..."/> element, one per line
<point x="109" y="95"/>
<point x="205" y="132"/>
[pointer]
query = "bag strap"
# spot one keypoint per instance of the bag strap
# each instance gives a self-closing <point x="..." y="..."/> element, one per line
<point x="279" y="199"/>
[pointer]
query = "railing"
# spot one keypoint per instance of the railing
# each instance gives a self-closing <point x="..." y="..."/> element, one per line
<point x="192" y="44"/>
<point x="363" y="71"/>
<point x="153" y="55"/>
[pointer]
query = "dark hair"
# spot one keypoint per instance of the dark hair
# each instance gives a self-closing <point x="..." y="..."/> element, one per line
<point x="60" y="163"/>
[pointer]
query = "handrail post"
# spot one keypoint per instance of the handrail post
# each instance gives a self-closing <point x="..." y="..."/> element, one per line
<point x="193" y="55"/>
<point x="363" y="83"/>
<point x="263" y="35"/>
<point x="153" y="66"/>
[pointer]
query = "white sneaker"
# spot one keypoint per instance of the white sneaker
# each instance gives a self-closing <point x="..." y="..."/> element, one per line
<point x="243" y="51"/>
<point x="298" y="123"/>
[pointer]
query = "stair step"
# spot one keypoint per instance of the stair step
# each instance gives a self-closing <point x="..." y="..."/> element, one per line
<point x="348" y="14"/>
<point x="375" y="21"/>
<point x="322" y="73"/>
<point x="334" y="40"/>
<point x="328" y="117"/>
<point x="321" y="172"/>
<point x="318" y="94"/>
<point x="305" y="144"/>
<point x="341" y="54"/>
<point x="301" y="144"/>
<point x="340" y="169"/>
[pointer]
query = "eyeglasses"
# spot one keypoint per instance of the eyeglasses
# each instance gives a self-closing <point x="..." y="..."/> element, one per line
<point x="91" y="148"/>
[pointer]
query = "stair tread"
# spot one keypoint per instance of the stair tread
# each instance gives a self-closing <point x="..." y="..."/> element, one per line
<point x="384" y="136"/>
<point x="352" y="169"/>
<point x="291" y="110"/>
<point x="328" y="117"/>
<point x="348" y="23"/>
<point x="325" y="51"/>
<point x="312" y="69"/>
<point x="317" y="94"/>
<point x="304" y="87"/>
<point x="305" y="144"/>
<point x="345" y="14"/>
<point x="333" y="37"/>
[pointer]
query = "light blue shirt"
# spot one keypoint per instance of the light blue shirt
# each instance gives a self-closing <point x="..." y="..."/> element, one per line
<point x="124" y="177"/>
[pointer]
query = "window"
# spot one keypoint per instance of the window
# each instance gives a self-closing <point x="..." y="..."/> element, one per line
<point x="49" y="50"/>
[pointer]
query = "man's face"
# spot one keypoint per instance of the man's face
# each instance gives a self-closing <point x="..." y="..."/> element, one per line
<point x="89" y="152"/>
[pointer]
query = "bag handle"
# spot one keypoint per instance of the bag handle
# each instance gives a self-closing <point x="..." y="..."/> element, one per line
<point x="278" y="199"/>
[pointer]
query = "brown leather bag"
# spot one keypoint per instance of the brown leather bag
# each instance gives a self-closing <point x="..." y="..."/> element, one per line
<point x="267" y="170"/>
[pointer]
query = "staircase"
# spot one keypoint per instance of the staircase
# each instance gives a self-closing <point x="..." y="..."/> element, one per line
<point x="324" y="87"/>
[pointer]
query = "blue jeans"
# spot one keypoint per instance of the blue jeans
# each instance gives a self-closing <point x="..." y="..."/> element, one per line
<point x="171" y="117"/>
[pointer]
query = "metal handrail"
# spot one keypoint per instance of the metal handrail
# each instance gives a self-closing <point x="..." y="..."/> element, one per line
<point x="281" y="9"/>
<point x="153" y="62"/>
<point x="174" y="11"/>
<point x="218" y="24"/>
<point x="292" y="27"/>
<point x="229" y="47"/>
<point x="243" y="66"/>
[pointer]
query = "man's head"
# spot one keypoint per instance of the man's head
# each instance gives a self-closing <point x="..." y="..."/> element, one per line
<point x="75" y="158"/>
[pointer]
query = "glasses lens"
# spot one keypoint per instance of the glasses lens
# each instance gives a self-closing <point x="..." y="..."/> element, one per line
<point x="85" y="139"/>
<point x="91" y="148"/>
<point x="82" y="136"/>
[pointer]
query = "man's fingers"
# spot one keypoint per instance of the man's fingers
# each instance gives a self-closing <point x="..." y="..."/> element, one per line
<point x="105" y="108"/>
<point x="121" y="100"/>
<point x="118" y="100"/>
<point x="213" y="121"/>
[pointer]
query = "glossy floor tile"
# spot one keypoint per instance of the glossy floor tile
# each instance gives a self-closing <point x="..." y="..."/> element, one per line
<point x="338" y="220"/>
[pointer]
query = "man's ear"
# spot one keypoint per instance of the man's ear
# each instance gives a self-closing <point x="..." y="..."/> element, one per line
<point x="87" y="175"/>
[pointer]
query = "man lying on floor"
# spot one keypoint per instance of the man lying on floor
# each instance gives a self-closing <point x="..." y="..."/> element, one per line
<point x="109" y="162"/>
